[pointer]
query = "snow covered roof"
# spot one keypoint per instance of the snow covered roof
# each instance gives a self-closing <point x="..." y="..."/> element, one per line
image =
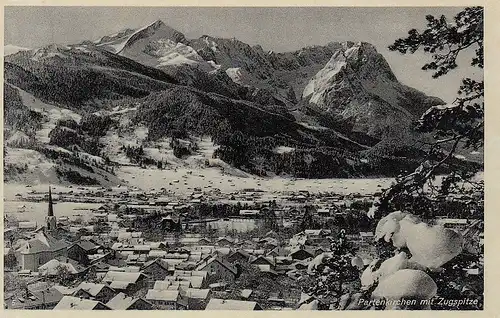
<point x="119" y="285"/>
<point x="122" y="302"/>
<point x="52" y="267"/>
<point x="162" y="285"/>
<point x="113" y="276"/>
<point x="42" y="242"/>
<point x="91" y="288"/>
<point x="231" y="304"/>
<point x="75" y="303"/>
<point x="27" y="225"/>
<point x="164" y="295"/>
<point x="196" y="293"/>
<point x="64" y="290"/>
<point x="245" y="293"/>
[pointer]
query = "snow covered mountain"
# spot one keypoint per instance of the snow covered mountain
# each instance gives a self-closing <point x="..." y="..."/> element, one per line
<point x="349" y="81"/>
<point x="358" y="84"/>
<point x="156" y="45"/>
<point x="12" y="49"/>
<point x="338" y="103"/>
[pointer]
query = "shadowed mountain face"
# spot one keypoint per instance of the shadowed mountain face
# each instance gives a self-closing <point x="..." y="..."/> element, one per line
<point x="342" y="96"/>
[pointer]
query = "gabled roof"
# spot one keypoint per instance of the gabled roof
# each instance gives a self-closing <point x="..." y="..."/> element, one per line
<point x="196" y="293"/>
<point x="260" y="257"/>
<point x="75" y="303"/>
<point x="164" y="295"/>
<point x="119" y="285"/>
<point x="91" y="288"/>
<point x="113" y="276"/>
<point x="230" y="304"/>
<point x="225" y="264"/>
<point x="241" y="252"/>
<point x="245" y="293"/>
<point x="123" y="302"/>
<point x="162" y="285"/>
<point x="87" y="245"/>
<point x="42" y="242"/>
<point x="52" y="266"/>
<point x="48" y="296"/>
<point x="158" y="261"/>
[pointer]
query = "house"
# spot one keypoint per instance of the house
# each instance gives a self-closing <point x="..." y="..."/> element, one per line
<point x="262" y="260"/>
<point x="194" y="298"/>
<point x="156" y="269"/>
<point x="196" y="278"/>
<point x="81" y="250"/>
<point x="123" y="302"/>
<point x="65" y="291"/>
<point x="163" y="299"/>
<point x="231" y="304"/>
<point x="101" y="267"/>
<point x="125" y="281"/>
<point x="154" y="254"/>
<point x="204" y="241"/>
<point x="246" y="293"/>
<point x="100" y="292"/>
<point x="54" y="266"/>
<point x="323" y="212"/>
<point x="100" y="217"/>
<point x="249" y="213"/>
<point x="75" y="303"/>
<point x="225" y="241"/>
<point x="27" y="226"/>
<point x="315" y="234"/>
<point x="219" y="268"/>
<point x="279" y="251"/>
<point x="267" y="270"/>
<point x="220" y="286"/>
<point x="171" y="223"/>
<point x="157" y="245"/>
<point x="39" y="250"/>
<point x="162" y="284"/>
<point x="301" y="254"/>
<point x="41" y="298"/>
<point x="238" y="256"/>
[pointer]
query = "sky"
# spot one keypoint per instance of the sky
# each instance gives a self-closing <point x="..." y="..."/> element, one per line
<point x="279" y="29"/>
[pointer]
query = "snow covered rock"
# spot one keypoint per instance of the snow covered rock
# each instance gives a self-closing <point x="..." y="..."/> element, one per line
<point x="405" y="285"/>
<point x="317" y="261"/>
<point x="387" y="268"/>
<point x="431" y="246"/>
<point x="313" y="305"/>
<point x="357" y="261"/>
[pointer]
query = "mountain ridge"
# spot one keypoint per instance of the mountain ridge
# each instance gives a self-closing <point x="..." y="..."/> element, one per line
<point x="330" y="105"/>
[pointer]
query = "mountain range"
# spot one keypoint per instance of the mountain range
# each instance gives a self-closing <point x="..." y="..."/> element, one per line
<point x="338" y="109"/>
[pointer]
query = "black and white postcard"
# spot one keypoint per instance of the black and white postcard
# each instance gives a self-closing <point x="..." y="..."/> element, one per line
<point x="243" y="158"/>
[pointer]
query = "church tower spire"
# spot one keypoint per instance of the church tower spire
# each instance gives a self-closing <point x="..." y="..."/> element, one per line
<point x="51" y="219"/>
<point x="51" y="207"/>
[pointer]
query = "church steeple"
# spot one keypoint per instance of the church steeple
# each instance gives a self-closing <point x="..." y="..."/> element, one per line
<point x="51" y="219"/>
<point x="51" y="207"/>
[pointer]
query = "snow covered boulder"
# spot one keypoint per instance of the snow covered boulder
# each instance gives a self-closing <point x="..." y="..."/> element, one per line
<point x="367" y="277"/>
<point x="313" y="305"/>
<point x="317" y="261"/>
<point x="431" y="246"/>
<point x="387" y="268"/>
<point x="357" y="262"/>
<point x="406" y="288"/>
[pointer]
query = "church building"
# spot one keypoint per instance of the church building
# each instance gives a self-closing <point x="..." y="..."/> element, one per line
<point x="42" y="247"/>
